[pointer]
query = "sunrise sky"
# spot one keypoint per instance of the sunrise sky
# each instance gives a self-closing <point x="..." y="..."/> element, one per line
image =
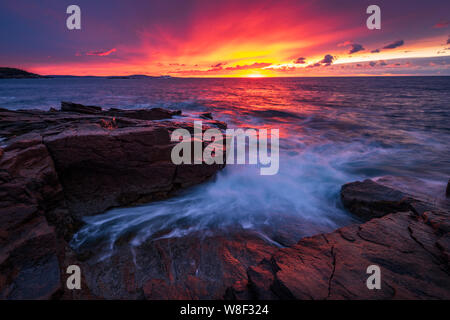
<point x="227" y="38"/>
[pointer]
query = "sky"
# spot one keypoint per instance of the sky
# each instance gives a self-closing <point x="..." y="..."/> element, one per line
<point x="210" y="38"/>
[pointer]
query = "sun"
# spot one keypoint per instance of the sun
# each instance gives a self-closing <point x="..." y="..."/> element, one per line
<point x="254" y="75"/>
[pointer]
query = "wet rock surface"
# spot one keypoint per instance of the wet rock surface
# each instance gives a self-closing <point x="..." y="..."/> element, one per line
<point x="410" y="247"/>
<point x="57" y="166"/>
<point x="369" y="199"/>
<point x="196" y="266"/>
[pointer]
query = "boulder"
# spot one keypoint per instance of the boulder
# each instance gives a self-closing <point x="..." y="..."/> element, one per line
<point x="206" y="115"/>
<point x="31" y="198"/>
<point x="411" y="251"/>
<point x="120" y="167"/>
<point x="140" y="114"/>
<point x="104" y="161"/>
<point x="368" y="199"/>
<point x="56" y="167"/>
<point x="407" y="238"/>
<point x="144" y="114"/>
<point x="79" y="108"/>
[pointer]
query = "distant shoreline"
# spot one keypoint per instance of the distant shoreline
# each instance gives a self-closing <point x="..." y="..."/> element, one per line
<point x="14" y="73"/>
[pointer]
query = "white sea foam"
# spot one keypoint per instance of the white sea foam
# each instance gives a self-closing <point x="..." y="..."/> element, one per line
<point x="306" y="189"/>
<point x="2" y="142"/>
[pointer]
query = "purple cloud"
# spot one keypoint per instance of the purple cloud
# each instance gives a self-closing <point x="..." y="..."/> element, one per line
<point x="375" y="51"/>
<point x="394" y="45"/>
<point x="300" y="60"/>
<point x="326" y="61"/>
<point x="442" y="24"/>
<point x="356" y="48"/>
<point x="218" y="65"/>
<point x="101" y="53"/>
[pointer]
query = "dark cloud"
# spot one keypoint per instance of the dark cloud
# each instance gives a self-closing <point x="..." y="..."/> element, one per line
<point x="448" y="40"/>
<point x="218" y="65"/>
<point x="317" y="64"/>
<point x="372" y="63"/>
<point x="300" y="60"/>
<point x="394" y="45"/>
<point x="356" y="48"/>
<point x="375" y="51"/>
<point x="326" y="61"/>
<point x="101" y="53"/>
<point x="442" y="24"/>
<point x="383" y="63"/>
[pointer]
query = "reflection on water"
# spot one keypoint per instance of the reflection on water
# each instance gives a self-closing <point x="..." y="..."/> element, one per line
<point x="332" y="131"/>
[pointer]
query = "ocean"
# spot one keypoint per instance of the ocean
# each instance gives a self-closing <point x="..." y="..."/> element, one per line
<point x="332" y="131"/>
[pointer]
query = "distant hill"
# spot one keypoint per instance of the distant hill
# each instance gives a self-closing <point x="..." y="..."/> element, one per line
<point x="135" y="76"/>
<point x="13" y="73"/>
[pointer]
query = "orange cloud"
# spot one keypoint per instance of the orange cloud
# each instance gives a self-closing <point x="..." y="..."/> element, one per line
<point x="101" y="53"/>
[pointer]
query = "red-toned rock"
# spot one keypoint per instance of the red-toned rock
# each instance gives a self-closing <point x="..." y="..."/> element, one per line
<point x="411" y="252"/>
<point x="105" y="161"/>
<point x="59" y="166"/>
<point x="29" y="264"/>
<point x="140" y="114"/>
<point x="193" y="266"/>
<point x="411" y="248"/>
<point x="30" y="198"/>
<point x="368" y="199"/>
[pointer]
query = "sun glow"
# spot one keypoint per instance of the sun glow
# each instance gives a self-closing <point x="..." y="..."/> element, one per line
<point x="255" y="75"/>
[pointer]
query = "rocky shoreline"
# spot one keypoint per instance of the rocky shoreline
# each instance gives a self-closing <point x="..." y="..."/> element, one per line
<point x="60" y="165"/>
<point x="57" y="166"/>
<point x="406" y="237"/>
